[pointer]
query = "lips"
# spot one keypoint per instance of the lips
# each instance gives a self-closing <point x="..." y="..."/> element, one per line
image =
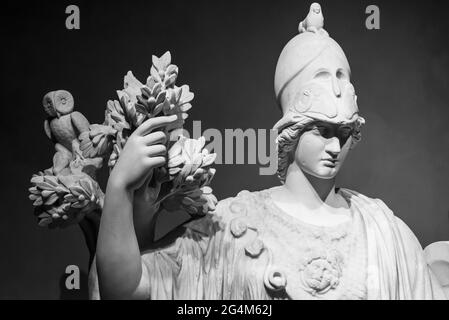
<point x="330" y="162"/>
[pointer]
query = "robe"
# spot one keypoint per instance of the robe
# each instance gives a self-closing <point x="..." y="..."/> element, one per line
<point x="231" y="254"/>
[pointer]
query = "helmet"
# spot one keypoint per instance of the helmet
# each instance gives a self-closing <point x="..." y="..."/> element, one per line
<point x="312" y="78"/>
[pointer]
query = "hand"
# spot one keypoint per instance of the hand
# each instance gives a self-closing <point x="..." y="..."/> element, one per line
<point x="143" y="151"/>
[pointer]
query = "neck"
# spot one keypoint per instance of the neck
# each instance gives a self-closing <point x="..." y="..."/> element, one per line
<point x="307" y="188"/>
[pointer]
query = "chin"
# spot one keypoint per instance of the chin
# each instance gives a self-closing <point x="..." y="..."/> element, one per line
<point x="325" y="173"/>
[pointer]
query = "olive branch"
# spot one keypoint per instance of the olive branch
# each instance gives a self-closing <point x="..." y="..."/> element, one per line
<point x="72" y="195"/>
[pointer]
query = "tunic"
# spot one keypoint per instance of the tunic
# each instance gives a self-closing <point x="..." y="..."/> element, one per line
<point x="248" y="248"/>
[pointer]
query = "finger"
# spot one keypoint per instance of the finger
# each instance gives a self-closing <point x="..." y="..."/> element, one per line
<point x="156" y="150"/>
<point x="158" y="137"/>
<point x="156" y="162"/>
<point x="176" y="124"/>
<point x="154" y="123"/>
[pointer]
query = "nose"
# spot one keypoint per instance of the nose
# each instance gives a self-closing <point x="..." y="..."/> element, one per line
<point x="336" y="87"/>
<point x="333" y="147"/>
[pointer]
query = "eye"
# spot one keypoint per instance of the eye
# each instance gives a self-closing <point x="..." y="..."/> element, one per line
<point x="323" y="131"/>
<point x="345" y="132"/>
<point x="342" y="75"/>
<point x="323" y="75"/>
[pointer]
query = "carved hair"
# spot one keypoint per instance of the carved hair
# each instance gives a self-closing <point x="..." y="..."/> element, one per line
<point x="288" y="138"/>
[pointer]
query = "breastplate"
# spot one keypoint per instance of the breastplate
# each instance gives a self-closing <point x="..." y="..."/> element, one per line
<point x="316" y="262"/>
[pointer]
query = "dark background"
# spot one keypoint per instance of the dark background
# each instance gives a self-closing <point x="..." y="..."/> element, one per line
<point x="227" y="53"/>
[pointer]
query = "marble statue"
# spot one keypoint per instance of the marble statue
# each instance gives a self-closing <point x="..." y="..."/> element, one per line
<point x="304" y="239"/>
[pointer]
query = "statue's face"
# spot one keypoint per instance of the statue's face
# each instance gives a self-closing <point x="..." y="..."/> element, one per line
<point x="322" y="148"/>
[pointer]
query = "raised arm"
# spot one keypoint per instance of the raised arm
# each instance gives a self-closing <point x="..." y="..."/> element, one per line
<point x="118" y="258"/>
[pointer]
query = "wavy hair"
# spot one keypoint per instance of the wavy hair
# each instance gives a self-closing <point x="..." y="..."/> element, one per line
<point x="288" y="138"/>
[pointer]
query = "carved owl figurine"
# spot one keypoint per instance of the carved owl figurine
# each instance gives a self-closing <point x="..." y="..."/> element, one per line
<point x="63" y="126"/>
<point x="314" y="20"/>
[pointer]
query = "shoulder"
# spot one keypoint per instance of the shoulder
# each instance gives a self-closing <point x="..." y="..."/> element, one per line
<point x="377" y="209"/>
<point x="237" y="221"/>
<point x="233" y="223"/>
<point x="244" y="202"/>
<point x="367" y="204"/>
<point x="247" y="206"/>
<point x="229" y="213"/>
